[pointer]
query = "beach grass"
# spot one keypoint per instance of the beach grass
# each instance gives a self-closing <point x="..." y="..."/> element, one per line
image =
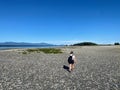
<point x="44" y="50"/>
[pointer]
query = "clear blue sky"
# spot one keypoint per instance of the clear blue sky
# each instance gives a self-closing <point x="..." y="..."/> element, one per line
<point x="60" y="21"/>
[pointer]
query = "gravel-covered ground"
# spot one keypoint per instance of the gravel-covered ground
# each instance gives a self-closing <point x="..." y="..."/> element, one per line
<point x="97" y="68"/>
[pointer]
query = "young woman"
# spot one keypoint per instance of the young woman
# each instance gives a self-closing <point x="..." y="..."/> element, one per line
<point x="71" y="61"/>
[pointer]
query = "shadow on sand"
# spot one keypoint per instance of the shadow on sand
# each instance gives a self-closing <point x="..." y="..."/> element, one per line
<point x="66" y="67"/>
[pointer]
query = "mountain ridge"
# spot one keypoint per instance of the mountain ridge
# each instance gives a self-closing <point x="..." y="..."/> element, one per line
<point x="24" y="43"/>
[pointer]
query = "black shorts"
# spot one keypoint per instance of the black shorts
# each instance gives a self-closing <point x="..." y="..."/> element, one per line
<point x="71" y="61"/>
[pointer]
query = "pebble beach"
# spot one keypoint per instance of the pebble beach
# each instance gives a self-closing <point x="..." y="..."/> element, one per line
<point x="97" y="68"/>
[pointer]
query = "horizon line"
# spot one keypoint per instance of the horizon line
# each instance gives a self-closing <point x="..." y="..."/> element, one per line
<point x="60" y="42"/>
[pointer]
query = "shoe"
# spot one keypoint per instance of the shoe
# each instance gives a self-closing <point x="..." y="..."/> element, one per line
<point x="69" y="70"/>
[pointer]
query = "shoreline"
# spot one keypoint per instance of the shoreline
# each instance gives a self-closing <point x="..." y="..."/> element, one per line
<point x="60" y="47"/>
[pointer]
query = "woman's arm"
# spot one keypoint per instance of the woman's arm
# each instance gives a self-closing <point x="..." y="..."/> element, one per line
<point x="74" y="58"/>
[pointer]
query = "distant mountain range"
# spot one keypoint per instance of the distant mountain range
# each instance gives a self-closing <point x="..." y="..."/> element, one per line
<point x="24" y="43"/>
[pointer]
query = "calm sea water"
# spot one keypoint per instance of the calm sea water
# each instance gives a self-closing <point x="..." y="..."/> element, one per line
<point x="20" y="47"/>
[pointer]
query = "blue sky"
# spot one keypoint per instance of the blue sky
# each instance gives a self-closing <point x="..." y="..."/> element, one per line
<point x="60" y="21"/>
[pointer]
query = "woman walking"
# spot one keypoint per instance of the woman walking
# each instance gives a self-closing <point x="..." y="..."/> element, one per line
<point x="71" y="61"/>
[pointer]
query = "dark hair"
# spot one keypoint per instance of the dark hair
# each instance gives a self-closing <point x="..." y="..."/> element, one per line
<point x="71" y="52"/>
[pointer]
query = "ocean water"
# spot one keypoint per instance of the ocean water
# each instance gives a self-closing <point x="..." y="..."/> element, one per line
<point x="26" y="46"/>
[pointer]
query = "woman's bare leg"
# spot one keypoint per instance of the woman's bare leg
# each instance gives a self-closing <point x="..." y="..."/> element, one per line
<point x="70" y="67"/>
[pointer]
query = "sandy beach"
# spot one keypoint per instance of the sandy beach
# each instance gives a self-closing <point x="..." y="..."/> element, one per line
<point x="97" y="68"/>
